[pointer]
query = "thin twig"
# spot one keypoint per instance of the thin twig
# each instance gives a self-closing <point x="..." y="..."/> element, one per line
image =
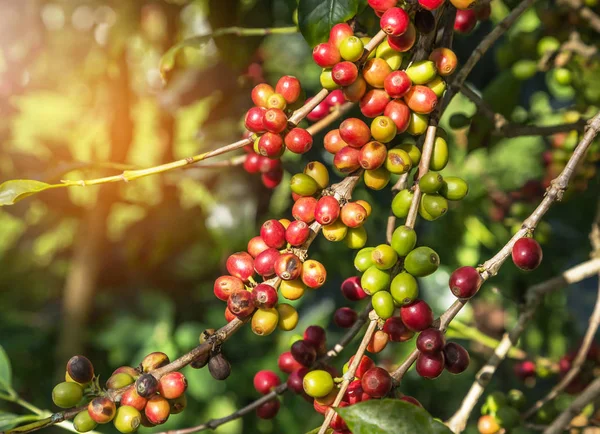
<point x="584" y="12"/>
<point x="588" y="395"/>
<point x="498" y="120"/>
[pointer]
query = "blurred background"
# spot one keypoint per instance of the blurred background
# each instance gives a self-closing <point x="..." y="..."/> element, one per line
<point x="118" y="271"/>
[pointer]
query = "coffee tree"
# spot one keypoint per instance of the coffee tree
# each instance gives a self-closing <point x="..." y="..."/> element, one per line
<point x="394" y="105"/>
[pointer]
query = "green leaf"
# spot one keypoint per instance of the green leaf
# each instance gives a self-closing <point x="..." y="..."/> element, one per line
<point x="8" y="421"/>
<point x="5" y="370"/>
<point x="16" y="189"/>
<point x="317" y="17"/>
<point x="390" y="415"/>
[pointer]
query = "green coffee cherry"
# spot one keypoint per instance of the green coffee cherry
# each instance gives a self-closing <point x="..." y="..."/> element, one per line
<point x="435" y="205"/>
<point x="562" y="76"/>
<point x="507" y="417"/>
<point x="83" y="422"/>
<point x="119" y="380"/>
<point x="404" y="240"/>
<point x="421" y="262"/>
<point x="67" y="394"/>
<point x="417" y="124"/>
<point x="363" y="260"/>
<point x="127" y="419"/>
<point x="421" y="72"/>
<point x="398" y="161"/>
<point x="431" y="182"/>
<point x="412" y="150"/>
<point x="424" y="214"/>
<point x="391" y="56"/>
<point x="546" y="414"/>
<point x="356" y="238"/>
<point x="401" y="203"/>
<point x="383" y="303"/>
<point x="454" y="188"/>
<point x="404" y="289"/>
<point x="351" y="48"/>
<point x="384" y="257"/>
<point x="495" y="401"/>
<point x="547" y="44"/>
<point x="524" y="69"/>
<point x="336" y="231"/>
<point x="303" y="184"/>
<point x="438" y="86"/>
<point x="317" y="171"/>
<point x="318" y="383"/>
<point x="374" y="280"/>
<point x="326" y="79"/>
<point x="439" y="156"/>
<point x="516" y="399"/>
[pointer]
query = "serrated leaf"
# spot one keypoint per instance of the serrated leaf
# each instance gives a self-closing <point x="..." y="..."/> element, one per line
<point x="5" y="370"/>
<point x="390" y="416"/>
<point x="16" y="189"/>
<point x="317" y="17"/>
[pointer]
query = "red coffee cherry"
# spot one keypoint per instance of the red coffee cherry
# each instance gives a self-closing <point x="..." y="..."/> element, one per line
<point x="327" y="210"/>
<point x="333" y="142"/>
<point x="527" y="254"/>
<point x="337" y="423"/>
<point x="133" y="399"/>
<point x="344" y="73"/>
<point x="417" y="316"/>
<point x="298" y="140"/>
<point x="411" y="400"/>
<point x="353" y="214"/>
<point x="356" y="90"/>
<point x="261" y="93"/>
<point x="431" y="341"/>
<point x="421" y="99"/>
<point x="296" y="379"/>
<point x="339" y="32"/>
<point x="270" y="145"/>
<point x="405" y="41"/>
<point x="456" y="358"/>
<point x="525" y="369"/>
<point x="313" y="274"/>
<point x="397" y="84"/>
<point x="352" y="290"/>
<point x="272" y="179"/>
<point x="394" y="21"/>
<point x="335" y="98"/>
<point x="430" y="365"/>
<point x="264" y="296"/>
<point x="240" y="303"/>
<point x="445" y="61"/>
<point x="465" y="282"/>
<point x="228" y="315"/>
<point x="465" y="20"/>
<point x="375" y="71"/>
<point x="288" y="266"/>
<point x="256" y="246"/>
<point x="355" y="132"/>
<point x="382" y="5"/>
<point x="364" y="365"/>
<point x="297" y="233"/>
<point x="252" y="162"/>
<point x="374" y="102"/>
<point x="264" y="264"/>
<point x="372" y="155"/>
<point x="265" y="381"/>
<point x="225" y="285"/>
<point x="347" y="159"/>
<point x="289" y="88"/>
<point x="287" y="363"/>
<point x="172" y="385"/>
<point x="319" y="112"/>
<point x="316" y="336"/>
<point x="254" y="120"/>
<point x="304" y="352"/>
<point x="355" y="393"/>
<point x="487" y="425"/>
<point x="431" y="5"/>
<point x="275" y="120"/>
<point x="273" y="232"/>
<point x="376" y="382"/>
<point x="102" y="409"/>
<point x="345" y="317"/>
<point x="397" y="330"/>
<point x="304" y="209"/>
<point x="240" y="265"/>
<point x="157" y="410"/>
<point x="326" y="55"/>
<point x="399" y="113"/>
<point x="269" y="409"/>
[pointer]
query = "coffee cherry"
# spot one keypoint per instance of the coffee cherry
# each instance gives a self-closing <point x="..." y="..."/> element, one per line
<point x="344" y="317"/>
<point x="326" y="55"/>
<point x="374" y="280"/>
<point x="465" y="282"/>
<point x="412" y="150"/>
<point x="335" y="98"/>
<point x="254" y="120"/>
<point x="438" y="86"/>
<point x="394" y="21"/>
<point x="83" y="422"/>
<point x="298" y="140"/>
<point x="327" y="210"/>
<point x="219" y="367"/>
<point x="404" y="240"/>
<point x="421" y="99"/>
<point x="355" y="393"/>
<point x="287" y="363"/>
<point x="434" y="205"/>
<point x="318" y="383"/>
<point x="304" y="209"/>
<point x="67" y="394"/>
<point x="240" y="303"/>
<point x="378" y="341"/>
<point x="117" y="381"/>
<point x="431" y="341"/>
<point x="445" y="61"/>
<point x="296" y="378"/>
<point x="396" y="330"/>
<point x="288" y="317"/>
<point x="316" y="336"/>
<point x="374" y="102"/>
<point x="431" y="182"/>
<point x="264" y="296"/>
<point x="269" y="409"/>
<point x="265" y="381"/>
<point x="336" y="231"/>
<point x="275" y="120"/>
<point x="240" y="265"/>
<point x="177" y="405"/>
<point x="362" y="260"/>
<point x="364" y="365"/>
<point x="272" y="179"/>
<point x="303" y="185"/>
<point x="351" y="48"/>
<point x="326" y="79"/>
<point x="319" y="112"/>
<point x="418" y="124"/>
<point x="347" y="160"/>
<point x="276" y="101"/>
<point x="439" y="159"/>
<point x="527" y="254"/>
<point x="273" y="233"/>
<point x="297" y="233"/>
<point x="260" y="94"/>
<point x="383" y="303"/>
<point x="397" y="84"/>
<point x="102" y="409"/>
<point x="465" y="21"/>
<point x="132" y="398"/>
<point x="333" y="142"/>
<point x="289" y="87"/>
<point x="225" y="285"/>
<point x="384" y="257"/>
<point x="456" y="358"/>
<point x="157" y="410"/>
<point x="383" y="129"/>
<point x="411" y="400"/>
<point x="80" y="369"/>
<point x="430" y="365"/>
<point x="265" y="262"/>
<point x="355" y="132"/>
<point x="405" y="41"/>
<point x="127" y="419"/>
<point x="353" y="214"/>
<point x="454" y="188"/>
<point x="377" y="382"/>
<point x="516" y="398"/>
<point x="391" y="56"/>
<point x="317" y="171"/>
<point x="372" y="155"/>
<point x="399" y="113"/>
<point x="398" y="161"/>
<point x="270" y="145"/>
<point x="264" y="321"/>
<point x="421" y="72"/>
<point x="228" y="315"/>
<point x="356" y="90"/>
<point x="172" y="385"/>
<point x="352" y="290"/>
<point x="376" y="179"/>
<point x="146" y="385"/>
<point x="313" y="274"/>
<point x="404" y="289"/>
<point x="292" y="290"/>
<point x="304" y="352"/>
<point x="375" y="72"/>
<point x="344" y="73"/>
<point x="417" y="316"/>
<point x="487" y="425"/>
<point x="339" y="33"/>
<point x="422" y="262"/>
<point x="337" y="423"/>
<point x="382" y="5"/>
<point x="401" y="203"/>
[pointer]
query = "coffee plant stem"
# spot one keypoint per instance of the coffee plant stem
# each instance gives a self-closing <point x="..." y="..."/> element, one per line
<point x="588" y="395"/>
<point x="584" y="12"/>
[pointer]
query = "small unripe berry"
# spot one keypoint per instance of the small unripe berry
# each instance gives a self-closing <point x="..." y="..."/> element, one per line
<point x="398" y="161"/>
<point x="146" y="385"/>
<point x="157" y="410"/>
<point x="465" y="282"/>
<point x="67" y="394"/>
<point x="527" y="254"/>
<point x="116" y="381"/>
<point x="335" y="231"/>
<point x="318" y="383"/>
<point x="102" y="409"/>
<point x="264" y="296"/>
<point x="264" y="321"/>
<point x="404" y="289"/>
<point x="83" y="422"/>
<point x="430" y="365"/>
<point x="240" y="303"/>
<point x="422" y="261"/>
<point x="431" y="341"/>
<point x="376" y="382"/>
<point x="80" y="369"/>
<point x="276" y="101"/>
<point x="127" y="419"/>
<point x="351" y="48"/>
<point x="318" y="171"/>
<point x="456" y="358"/>
<point x="383" y="129"/>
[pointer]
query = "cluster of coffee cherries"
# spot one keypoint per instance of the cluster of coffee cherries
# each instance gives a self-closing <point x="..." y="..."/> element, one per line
<point x="466" y="19"/>
<point x="501" y="413"/>
<point x="147" y="401"/>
